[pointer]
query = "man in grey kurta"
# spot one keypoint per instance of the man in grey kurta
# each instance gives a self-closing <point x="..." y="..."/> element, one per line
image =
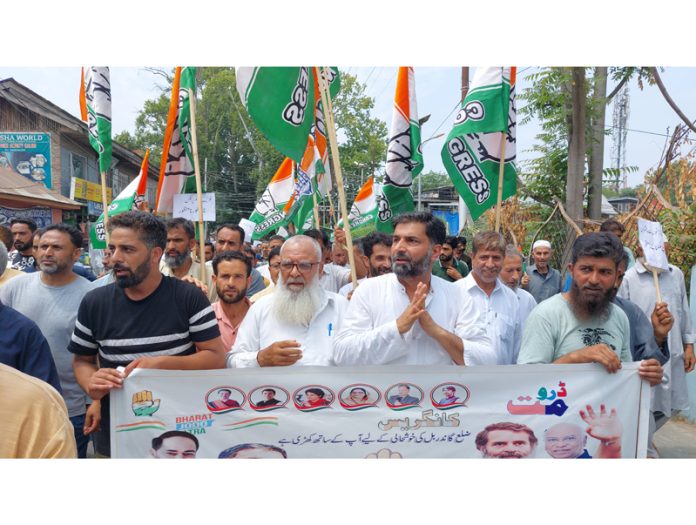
<point x="51" y="298"/>
<point x="542" y="281"/>
<point x="638" y="286"/>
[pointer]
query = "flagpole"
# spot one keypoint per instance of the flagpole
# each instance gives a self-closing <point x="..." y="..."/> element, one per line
<point x="105" y="204"/>
<point x="499" y="205"/>
<point x="331" y="128"/>
<point x="316" y="210"/>
<point x="197" y="171"/>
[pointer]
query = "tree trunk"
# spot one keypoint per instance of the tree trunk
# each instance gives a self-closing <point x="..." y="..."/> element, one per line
<point x="594" y="194"/>
<point x="576" y="145"/>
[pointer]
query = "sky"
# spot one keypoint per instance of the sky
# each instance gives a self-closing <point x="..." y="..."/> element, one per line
<point x="437" y="90"/>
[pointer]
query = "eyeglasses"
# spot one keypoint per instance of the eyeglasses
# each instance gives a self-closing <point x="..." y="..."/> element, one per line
<point x="303" y="267"/>
<point x="275" y="266"/>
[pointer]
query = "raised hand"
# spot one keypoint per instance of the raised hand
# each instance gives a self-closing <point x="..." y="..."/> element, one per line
<point x="414" y="310"/>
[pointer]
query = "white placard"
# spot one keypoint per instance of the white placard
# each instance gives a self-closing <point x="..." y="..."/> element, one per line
<point x="186" y="206"/>
<point x="248" y="227"/>
<point x="652" y="240"/>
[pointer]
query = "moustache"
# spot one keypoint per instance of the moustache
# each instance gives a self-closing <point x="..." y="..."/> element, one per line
<point x="118" y="267"/>
<point x="515" y="455"/>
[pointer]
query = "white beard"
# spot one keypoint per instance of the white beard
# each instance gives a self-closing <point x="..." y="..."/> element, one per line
<point x="297" y="307"/>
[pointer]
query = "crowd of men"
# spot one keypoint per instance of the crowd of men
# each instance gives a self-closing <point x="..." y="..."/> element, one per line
<point x="420" y="299"/>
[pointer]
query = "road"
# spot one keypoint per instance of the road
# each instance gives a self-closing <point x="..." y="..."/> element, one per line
<point x="677" y="439"/>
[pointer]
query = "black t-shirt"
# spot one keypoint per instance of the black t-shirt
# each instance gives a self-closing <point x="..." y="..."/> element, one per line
<point x="119" y="330"/>
<point x="165" y="323"/>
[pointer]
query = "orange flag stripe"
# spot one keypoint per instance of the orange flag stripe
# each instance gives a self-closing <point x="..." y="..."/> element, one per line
<point x="83" y="98"/>
<point x="401" y="98"/>
<point x="365" y="191"/>
<point x="171" y="117"/>
<point x="142" y="185"/>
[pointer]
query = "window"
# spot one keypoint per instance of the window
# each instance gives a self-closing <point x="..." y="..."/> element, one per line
<point x="77" y="166"/>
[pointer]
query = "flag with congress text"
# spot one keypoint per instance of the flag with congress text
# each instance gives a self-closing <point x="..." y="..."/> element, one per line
<point x="472" y="151"/>
<point x="281" y="102"/>
<point x="269" y="213"/>
<point x="123" y="202"/>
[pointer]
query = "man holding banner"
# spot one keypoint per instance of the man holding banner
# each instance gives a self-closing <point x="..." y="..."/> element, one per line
<point x="582" y="325"/>
<point x="298" y="321"/>
<point x="411" y="316"/>
<point x="144" y="320"/>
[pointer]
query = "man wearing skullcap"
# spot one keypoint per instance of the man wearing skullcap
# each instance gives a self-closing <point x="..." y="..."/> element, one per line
<point x="542" y="280"/>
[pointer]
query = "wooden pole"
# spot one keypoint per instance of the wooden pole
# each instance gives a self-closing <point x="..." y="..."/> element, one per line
<point x="197" y="171"/>
<point x="331" y="130"/>
<point x="501" y="172"/>
<point x="657" y="284"/>
<point x="106" y="205"/>
<point x="316" y="211"/>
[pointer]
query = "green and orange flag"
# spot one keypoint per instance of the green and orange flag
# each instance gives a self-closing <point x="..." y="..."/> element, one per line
<point x="95" y="110"/>
<point x="176" y="168"/>
<point x="404" y="155"/>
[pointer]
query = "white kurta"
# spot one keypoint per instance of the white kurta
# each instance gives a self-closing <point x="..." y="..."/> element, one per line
<point x="638" y="286"/>
<point x="333" y="278"/>
<point x="501" y="314"/>
<point x="369" y="335"/>
<point x="527" y="304"/>
<point x="261" y="328"/>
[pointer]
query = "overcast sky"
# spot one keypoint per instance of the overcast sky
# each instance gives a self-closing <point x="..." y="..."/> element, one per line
<point x="437" y="94"/>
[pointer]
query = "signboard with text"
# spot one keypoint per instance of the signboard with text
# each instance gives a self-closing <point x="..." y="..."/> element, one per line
<point x="85" y="190"/>
<point x="28" y="154"/>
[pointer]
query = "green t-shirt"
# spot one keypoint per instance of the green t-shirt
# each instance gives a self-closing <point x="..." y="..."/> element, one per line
<point x="460" y="266"/>
<point x="552" y="330"/>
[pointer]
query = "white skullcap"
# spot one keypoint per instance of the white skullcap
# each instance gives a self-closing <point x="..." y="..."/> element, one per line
<point x="541" y="244"/>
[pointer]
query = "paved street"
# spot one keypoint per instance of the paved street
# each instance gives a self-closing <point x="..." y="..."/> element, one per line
<point x="677" y="439"/>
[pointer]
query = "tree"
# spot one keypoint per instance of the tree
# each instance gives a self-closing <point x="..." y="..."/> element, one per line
<point x="434" y="179"/>
<point x="240" y="161"/>
<point x="362" y="138"/>
<point x="594" y="194"/>
<point x="576" y="144"/>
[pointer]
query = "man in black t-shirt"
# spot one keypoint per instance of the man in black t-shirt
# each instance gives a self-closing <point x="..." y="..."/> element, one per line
<point x="143" y="320"/>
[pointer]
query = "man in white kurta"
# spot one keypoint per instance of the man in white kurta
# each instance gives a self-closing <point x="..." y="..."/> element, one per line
<point x="497" y="304"/>
<point x="297" y="323"/>
<point x="501" y="314"/>
<point x="410" y="316"/>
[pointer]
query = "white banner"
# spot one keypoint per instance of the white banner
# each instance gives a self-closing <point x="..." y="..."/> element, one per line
<point x="533" y="411"/>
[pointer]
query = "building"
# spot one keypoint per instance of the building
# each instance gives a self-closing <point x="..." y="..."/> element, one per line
<point x="443" y="202"/>
<point x="624" y="204"/>
<point x="47" y="147"/>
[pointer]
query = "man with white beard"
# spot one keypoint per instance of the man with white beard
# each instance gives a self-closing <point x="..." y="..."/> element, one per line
<point x="297" y="323"/>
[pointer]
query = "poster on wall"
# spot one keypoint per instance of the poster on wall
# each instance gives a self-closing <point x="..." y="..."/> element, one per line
<point x="526" y="411"/>
<point x="28" y="154"/>
<point x="40" y="215"/>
